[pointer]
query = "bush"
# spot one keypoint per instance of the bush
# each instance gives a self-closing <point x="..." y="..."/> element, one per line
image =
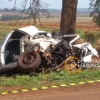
<point x="92" y="37"/>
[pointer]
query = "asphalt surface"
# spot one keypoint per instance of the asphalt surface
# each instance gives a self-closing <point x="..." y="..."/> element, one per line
<point x="82" y="92"/>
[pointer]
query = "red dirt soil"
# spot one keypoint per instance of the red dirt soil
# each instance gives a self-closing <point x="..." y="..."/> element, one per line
<point x="81" y="92"/>
<point x="57" y="25"/>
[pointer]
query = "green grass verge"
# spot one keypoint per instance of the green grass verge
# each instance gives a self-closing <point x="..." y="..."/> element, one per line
<point x="92" y="37"/>
<point x="53" y="78"/>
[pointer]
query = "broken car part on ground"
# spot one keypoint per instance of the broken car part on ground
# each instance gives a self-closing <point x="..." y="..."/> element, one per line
<point x="31" y="49"/>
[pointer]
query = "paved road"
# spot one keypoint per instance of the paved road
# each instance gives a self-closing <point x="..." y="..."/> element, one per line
<point x="83" y="92"/>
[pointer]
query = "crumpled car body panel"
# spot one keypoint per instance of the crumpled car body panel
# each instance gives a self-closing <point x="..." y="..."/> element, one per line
<point x="31" y="30"/>
<point x="88" y="55"/>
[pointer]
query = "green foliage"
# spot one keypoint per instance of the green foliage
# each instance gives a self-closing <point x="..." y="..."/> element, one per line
<point x="97" y="19"/>
<point x="53" y="78"/>
<point x="81" y="33"/>
<point x="95" y="5"/>
<point x="5" y="29"/>
<point x="93" y="36"/>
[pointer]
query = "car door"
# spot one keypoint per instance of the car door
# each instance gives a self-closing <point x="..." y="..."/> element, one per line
<point x="3" y="65"/>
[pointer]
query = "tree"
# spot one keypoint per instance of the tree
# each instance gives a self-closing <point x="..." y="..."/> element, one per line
<point x="34" y="11"/>
<point x="68" y="16"/>
<point x="95" y="5"/>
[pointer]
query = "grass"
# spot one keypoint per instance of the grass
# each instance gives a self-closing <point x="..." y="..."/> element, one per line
<point x="4" y="29"/>
<point x="53" y="78"/>
<point x="92" y="37"/>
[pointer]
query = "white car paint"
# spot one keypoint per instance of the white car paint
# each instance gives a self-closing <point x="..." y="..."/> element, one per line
<point x="30" y="30"/>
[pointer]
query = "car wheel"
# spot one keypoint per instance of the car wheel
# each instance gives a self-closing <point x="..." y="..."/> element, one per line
<point x="29" y="61"/>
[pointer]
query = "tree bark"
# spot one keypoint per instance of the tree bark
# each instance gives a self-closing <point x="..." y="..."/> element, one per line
<point x="68" y="16"/>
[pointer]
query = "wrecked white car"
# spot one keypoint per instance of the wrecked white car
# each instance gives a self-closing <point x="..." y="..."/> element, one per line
<point x="31" y="49"/>
<point x="22" y="40"/>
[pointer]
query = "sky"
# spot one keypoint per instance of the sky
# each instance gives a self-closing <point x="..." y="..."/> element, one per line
<point x="54" y="4"/>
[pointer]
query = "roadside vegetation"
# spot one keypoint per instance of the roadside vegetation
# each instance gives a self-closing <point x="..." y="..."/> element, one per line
<point x="92" y="37"/>
<point x="18" y="82"/>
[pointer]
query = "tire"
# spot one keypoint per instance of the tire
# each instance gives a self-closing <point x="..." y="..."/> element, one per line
<point x="29" y="61"/>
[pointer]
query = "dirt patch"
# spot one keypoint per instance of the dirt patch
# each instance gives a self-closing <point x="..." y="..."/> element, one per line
<point x="82" y="92"/>
<point x="68" y="89"/>
<point x="56" y="25"/>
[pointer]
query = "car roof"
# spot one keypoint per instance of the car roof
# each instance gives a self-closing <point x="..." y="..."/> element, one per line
<point x="31" y="30"/>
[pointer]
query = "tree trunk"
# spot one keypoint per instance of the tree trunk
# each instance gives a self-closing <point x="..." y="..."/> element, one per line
<point x="68" y="16"/>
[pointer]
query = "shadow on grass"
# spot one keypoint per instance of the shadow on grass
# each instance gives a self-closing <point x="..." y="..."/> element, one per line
<point x="17" y="71"/>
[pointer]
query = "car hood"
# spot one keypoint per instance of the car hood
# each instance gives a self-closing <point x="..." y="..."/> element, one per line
<point x="31" y="30"/>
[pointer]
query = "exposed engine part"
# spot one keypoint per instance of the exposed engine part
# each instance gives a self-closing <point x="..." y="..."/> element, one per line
<point x="56" y="55"/>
